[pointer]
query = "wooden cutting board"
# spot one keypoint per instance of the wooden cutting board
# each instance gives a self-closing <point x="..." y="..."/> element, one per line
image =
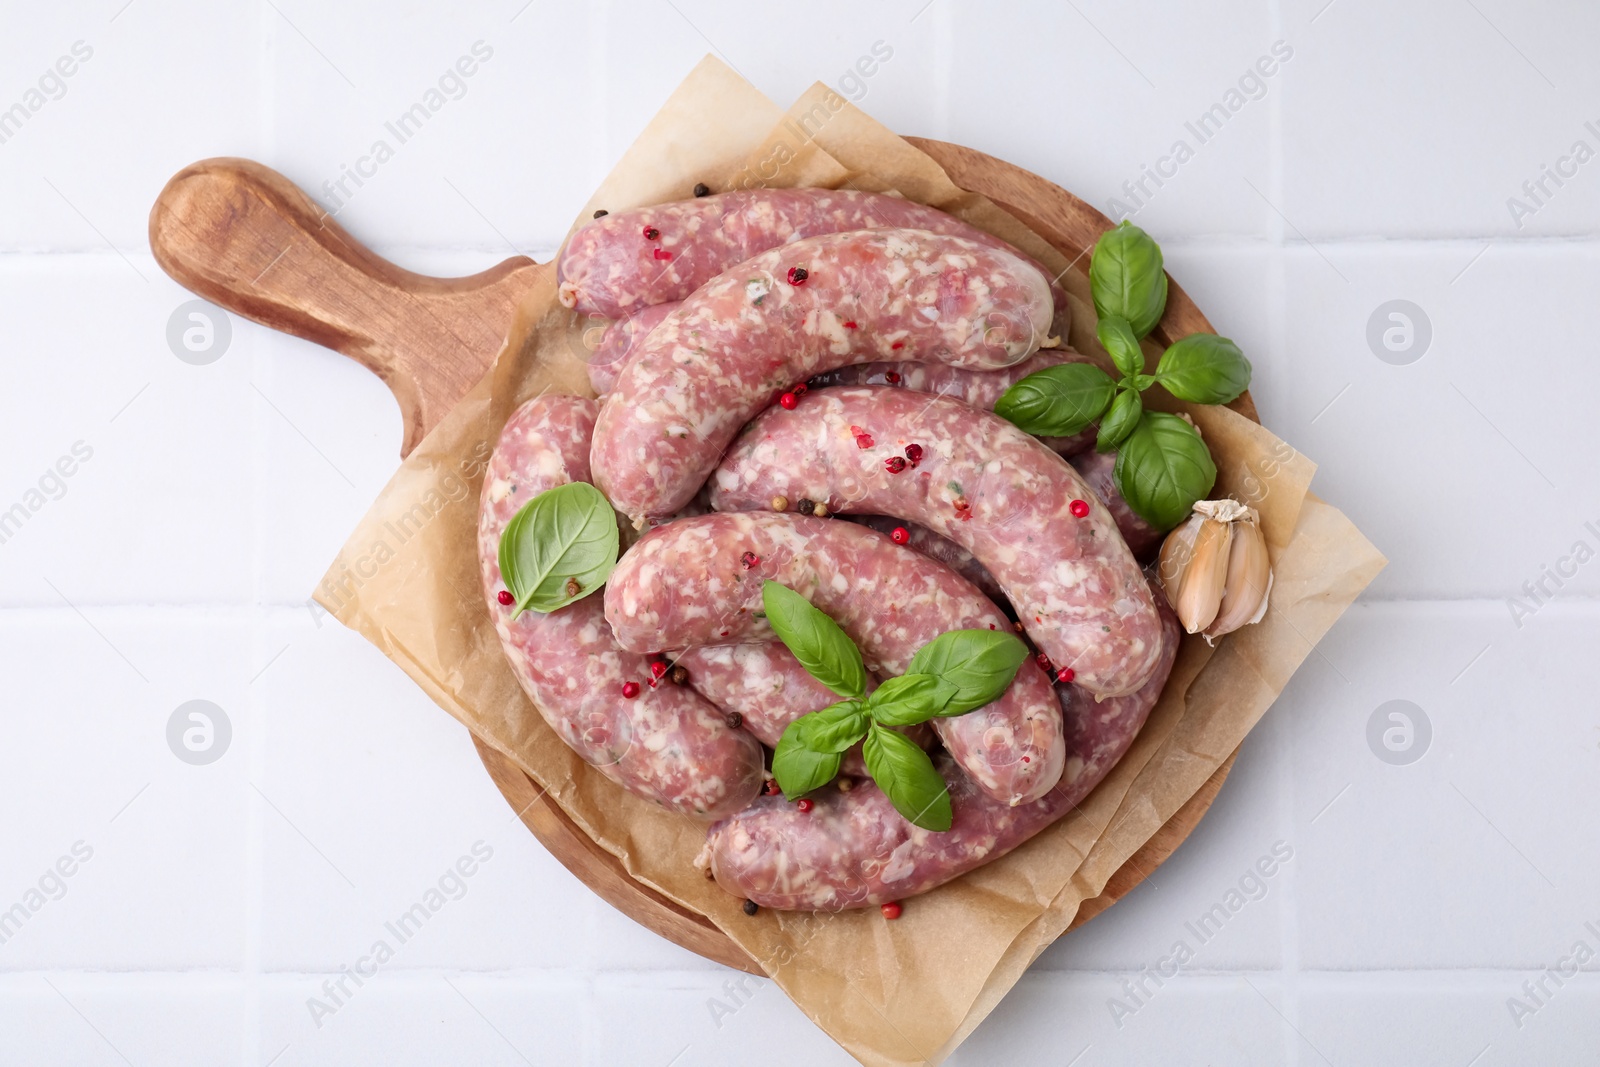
<point x="247" y="239"/>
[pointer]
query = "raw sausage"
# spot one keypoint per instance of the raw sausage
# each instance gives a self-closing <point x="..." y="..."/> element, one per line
<point x="791" y="313"/>
<point x="980" y="388"/>
<point x="667" y="744"/>
<point x="618" y="344"/>
<point x="613" y="266"/>
<point x="945" y="551"/>
<point x="980" y="482"/>
<point x="1096" y="469"/>
<point x="853" y="850"/>
<point x="698" y="581"/>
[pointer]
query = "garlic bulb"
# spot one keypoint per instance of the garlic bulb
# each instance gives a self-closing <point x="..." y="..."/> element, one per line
<point x="1215" y="569"/>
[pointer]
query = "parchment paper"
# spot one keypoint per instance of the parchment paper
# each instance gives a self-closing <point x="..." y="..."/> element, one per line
<point x="895" y="993"/>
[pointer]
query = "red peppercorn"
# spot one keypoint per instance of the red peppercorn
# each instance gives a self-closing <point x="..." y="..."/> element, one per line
<point x="890" y="910"/>
<point x="805" y="805"/>
<point x="658" y="668"/>
<point x="1080" y="508"/>
<point x="1044" y="663"/>
<point x="914" y="454"/>
<point x="850" y="324"/>
<point x="651" y="233"/>
<point x="798" y="275"/>
<point x="788" y="401"/>
<point x="772" y="787"/>
<point x="900" y="535"/>
<point x="894" y="464"/>
<point x="892" y="377"/>
<point x="630" y="690"/>
<point x="661" y="254"/>
<point x="506" y="598"/>
<point x="750" y="559"/>
<point x="1065" y="675"/>
<point x="800" y="389"/>
<point x="897" y="346"/>
<point x="864" y="440"/>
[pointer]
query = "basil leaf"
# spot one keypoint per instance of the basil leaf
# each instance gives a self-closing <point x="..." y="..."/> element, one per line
<point x="798" y="769"/>
<point x="834" y="728"/>
<point x="1204" y="369"/>
<point x="816" y="640"/>
<point x="910" y="699"/>
<point x="906" y="775"/>
<point x="1057" y="401"/>
<point x="1163" y="468"/>
<point x="1117" y="338"/>
<point x="566" y="534"/>
<point x="1127" y="278"/>
<point x="1140" y="382"/>
<point x="1119" y="421"/>
<point x="979" y="663"/>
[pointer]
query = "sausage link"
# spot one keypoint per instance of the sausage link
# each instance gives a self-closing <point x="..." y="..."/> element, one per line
<point x="753" y="331"/>
<point x="1096" y="469"/>
<point x="613" y="267"/>
<point x="619" y="342"/>
<point x="698" y="581"/>
<point x="667" y="744"/>
<point x="980" y="388"/>
<point x="945" y="551"/>
<point x="985" y="485"/>
<point x="853" y="850"/>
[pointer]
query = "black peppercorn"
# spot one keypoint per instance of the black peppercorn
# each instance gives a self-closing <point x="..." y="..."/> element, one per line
<point x="600" y="211"/>
<point x="751" y="907"/>
<point x="701" y="189"/>
<point x="735" y="720"/>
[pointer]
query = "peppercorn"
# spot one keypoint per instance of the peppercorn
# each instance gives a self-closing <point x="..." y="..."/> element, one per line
<point x="651" y="233"/>
<point x="506" y="598"/>
<point x="780" y="503"/>
<point x="680" y="675"/>
<point x="600" y="212"/>
<point x="798" y="275"/>
<point x="630" y="690"/>
<point x="701" y="189"/>
<point x="751" y="907"/>
<point x="805" y="805"/>
<point x="572" y="587"/>
<point x="805" y="507"/>
<point x="735" y="720"/>
<point x="891" y="910"/>
<point x="894" y="464"/>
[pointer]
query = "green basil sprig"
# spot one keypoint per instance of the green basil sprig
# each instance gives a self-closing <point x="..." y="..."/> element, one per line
<point x="1128" y="279"/>
<point x="1163" y="467"/>
<point x="953" y="674"/>
<point x="563" y="537"/>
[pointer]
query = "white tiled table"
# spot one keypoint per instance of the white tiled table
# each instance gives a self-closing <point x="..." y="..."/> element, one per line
<point x="175" y="561"/>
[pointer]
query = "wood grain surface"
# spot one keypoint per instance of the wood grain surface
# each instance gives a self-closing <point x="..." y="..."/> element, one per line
<point x="247" y="239"/>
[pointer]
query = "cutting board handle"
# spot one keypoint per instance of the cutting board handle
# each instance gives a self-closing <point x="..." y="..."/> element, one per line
<point x="249" y="240"/>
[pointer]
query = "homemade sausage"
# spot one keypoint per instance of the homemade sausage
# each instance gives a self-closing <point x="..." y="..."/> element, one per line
<point x="982" y="483"/>
<point x="791" y="313"/>
<point x="980" y="388"/>
<point x="667" y="744"/>
<point x="618" y="344"/>
<point x="631" y="259"/>
<point x="1096" y="468"/>
<point x="942" y="549"/>
<point x="697" y="581"/>
<point x="853" y="849"/>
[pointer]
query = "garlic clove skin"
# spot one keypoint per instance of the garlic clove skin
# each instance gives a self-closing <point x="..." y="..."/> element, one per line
<point x="1249" y="580"/>
<point x="1196" y="595"/>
